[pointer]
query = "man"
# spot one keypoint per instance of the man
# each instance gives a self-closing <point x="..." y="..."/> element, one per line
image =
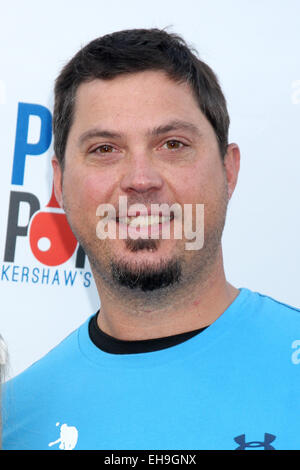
<point x="177" y="357"/>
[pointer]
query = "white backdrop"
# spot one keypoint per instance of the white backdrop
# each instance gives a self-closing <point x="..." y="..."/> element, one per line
<point x="253" y="46"/>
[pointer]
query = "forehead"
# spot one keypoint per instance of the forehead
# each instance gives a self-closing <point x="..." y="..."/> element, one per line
<point x="146" y="83"/>
<point x="142" y="98"/>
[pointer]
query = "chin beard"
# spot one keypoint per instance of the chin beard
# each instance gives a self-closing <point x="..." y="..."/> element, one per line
<point x="146" y="277"/>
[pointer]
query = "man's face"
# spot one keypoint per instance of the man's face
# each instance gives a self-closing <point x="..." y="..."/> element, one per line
<point x="142" y="136"/>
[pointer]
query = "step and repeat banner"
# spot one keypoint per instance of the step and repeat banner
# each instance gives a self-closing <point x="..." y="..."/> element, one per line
<point x="46" y="285"/>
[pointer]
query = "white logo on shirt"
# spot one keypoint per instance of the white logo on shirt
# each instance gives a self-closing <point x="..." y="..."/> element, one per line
<point x="68" y="437"/>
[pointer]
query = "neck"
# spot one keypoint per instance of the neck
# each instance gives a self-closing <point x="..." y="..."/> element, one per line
<point x="178" y="311"/>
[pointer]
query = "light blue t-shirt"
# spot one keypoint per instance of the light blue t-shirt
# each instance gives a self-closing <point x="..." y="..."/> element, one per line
<point x="236" y="385"/>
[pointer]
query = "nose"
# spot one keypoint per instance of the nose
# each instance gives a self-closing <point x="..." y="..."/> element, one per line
<point x="141" y="175"/>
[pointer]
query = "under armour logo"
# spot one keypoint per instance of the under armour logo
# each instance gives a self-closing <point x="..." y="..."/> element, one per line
<point x="265" y="444"/>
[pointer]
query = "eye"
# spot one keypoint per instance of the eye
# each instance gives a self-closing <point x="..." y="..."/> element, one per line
<point x="173" y="145"/>
<point x="105" y="148"/>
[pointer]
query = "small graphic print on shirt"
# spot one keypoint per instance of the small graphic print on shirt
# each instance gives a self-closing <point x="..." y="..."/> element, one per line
<point x="68" y="437"/>
<point x="241" y="440"/>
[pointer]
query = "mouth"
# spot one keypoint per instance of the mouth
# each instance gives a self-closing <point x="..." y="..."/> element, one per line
<point x="138" y="221"/>
<point x="145" y="220"/>
<point x="145" y="225"/>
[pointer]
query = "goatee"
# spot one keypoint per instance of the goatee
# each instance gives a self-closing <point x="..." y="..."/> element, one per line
<point x="145" y="277"/>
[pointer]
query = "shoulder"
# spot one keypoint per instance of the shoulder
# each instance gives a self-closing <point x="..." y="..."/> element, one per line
<point x="34" y="395"/>
<point x="265" y="303"/>
<point x="274" y="307"/>
<point x="47" y="369"/>
<point x="273" y="318"/>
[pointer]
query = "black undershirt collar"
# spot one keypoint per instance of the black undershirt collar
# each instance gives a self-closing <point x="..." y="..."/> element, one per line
<point x="117" y="346"/>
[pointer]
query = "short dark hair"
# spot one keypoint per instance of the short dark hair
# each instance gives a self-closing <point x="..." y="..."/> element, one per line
<point x="132" y="51"/>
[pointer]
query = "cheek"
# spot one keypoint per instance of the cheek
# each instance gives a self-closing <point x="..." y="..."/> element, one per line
<point x="94" y="190"/>
<point x="86" y="190"/>
<point x="204" y="184"/>
<point x="82" y="194"/>
<point x="192" y="186"/>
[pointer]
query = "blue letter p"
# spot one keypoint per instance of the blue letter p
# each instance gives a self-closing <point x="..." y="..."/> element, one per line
<point x="22" y="147"/>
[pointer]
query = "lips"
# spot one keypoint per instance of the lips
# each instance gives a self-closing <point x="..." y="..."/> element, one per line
<point x="145" y="220"/>
<point x="138" y="221"/>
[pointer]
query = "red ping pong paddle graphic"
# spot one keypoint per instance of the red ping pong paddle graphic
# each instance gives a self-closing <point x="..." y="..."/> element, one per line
<point x="51" y="239"/>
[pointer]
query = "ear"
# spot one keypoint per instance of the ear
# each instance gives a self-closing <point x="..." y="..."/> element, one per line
<point x="232" y="167"/>
<point x="57" y="180"/>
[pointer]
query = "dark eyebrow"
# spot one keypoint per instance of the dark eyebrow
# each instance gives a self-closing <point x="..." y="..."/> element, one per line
<point x="156" y="131"/>
<point x="175" y="126"/>
<point x="97" y="132"/>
